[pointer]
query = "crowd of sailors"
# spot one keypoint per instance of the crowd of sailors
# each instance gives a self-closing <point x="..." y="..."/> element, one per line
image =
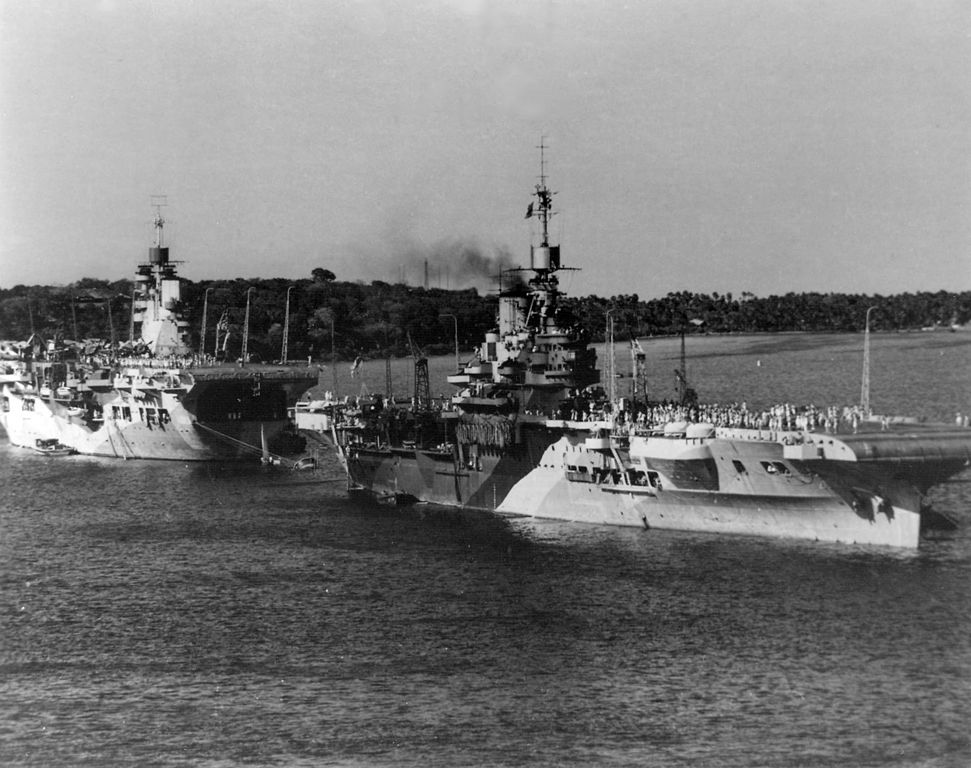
<point x="644" y="418"/>
<point x="146" y="361"/>
<point x="783" y="417"/>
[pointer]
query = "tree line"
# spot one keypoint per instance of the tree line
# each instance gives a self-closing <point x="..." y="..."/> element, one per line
<point x="351" y="319"/>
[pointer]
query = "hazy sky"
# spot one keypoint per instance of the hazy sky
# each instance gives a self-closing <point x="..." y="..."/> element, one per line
<point x="767" y="146"/>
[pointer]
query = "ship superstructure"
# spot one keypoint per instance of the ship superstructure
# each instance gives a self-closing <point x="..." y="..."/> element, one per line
<point x="158" y="293"/>
<point x="537" y="355"/>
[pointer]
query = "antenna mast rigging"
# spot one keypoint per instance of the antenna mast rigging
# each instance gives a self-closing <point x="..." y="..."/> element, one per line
<point x="544" y="196"/>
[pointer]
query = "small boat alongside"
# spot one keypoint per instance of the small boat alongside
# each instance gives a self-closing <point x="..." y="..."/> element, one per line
<point x="52" y="447"/>
<point x="304" y="463"/>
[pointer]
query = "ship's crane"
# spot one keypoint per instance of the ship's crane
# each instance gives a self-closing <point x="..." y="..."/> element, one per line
<point x="638" y="384"/>
<point x="686" y="394"/>
<point x="423" y="396"/>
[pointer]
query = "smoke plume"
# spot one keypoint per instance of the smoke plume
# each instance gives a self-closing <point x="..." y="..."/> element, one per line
<point x="456" y="263"/>
<point x="452" y="263"/>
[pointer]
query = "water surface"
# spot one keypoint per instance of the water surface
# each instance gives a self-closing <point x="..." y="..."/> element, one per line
<point x="159" y="613"/>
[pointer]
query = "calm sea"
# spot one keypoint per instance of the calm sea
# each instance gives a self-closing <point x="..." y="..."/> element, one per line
<point x="156" y="613"/>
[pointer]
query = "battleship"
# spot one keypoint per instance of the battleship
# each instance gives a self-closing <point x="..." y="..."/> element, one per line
<point x="153" y="399"/>
<point x="531" y="431"/>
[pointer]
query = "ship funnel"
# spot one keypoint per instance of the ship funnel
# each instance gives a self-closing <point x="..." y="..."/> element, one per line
<point x="545" y="257"/>
<point x="158" y="255"/>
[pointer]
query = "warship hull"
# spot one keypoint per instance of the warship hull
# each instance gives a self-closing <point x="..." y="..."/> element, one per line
<point x="822" y="517"/>
<point x="440" y="477"/>
<point x="853" y="489"/>
<point x="219" y="416"/>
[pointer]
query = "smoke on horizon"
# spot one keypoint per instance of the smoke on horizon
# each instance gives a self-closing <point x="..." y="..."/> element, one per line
<point x="452" y="263"/>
